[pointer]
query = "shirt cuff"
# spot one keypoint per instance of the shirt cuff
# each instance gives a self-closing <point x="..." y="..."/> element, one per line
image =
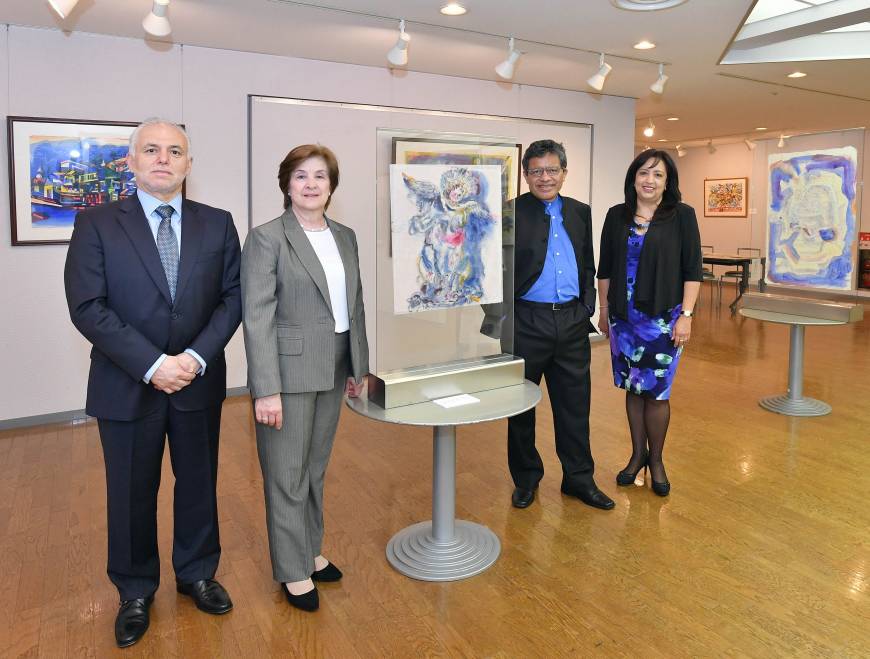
<point x="153" y="369"/>
<point x="192" y="352"/>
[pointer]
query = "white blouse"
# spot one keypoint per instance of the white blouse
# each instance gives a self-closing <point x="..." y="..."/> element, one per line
<point x="324" y="246"/>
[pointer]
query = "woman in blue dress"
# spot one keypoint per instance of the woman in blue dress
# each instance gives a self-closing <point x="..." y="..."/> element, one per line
<point x="649" y="276"/>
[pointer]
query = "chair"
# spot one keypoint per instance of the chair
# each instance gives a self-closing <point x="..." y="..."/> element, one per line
<point x="737" y="275"/>
<point x="707" y="273"/>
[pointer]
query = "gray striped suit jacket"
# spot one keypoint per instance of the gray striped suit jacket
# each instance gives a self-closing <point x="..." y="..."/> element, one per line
<point x="289" y="328"/>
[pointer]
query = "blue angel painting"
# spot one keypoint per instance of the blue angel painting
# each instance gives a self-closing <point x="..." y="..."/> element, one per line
<point x="446" y="231"/>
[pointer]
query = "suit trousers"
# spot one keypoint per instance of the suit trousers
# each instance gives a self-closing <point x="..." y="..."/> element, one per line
<point x="133" y="454"/>
<point x="554" y="345"/>
<point x="293" y="461"/>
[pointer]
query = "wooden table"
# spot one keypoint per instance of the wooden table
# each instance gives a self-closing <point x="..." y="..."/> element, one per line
<point x="743" y="262"/>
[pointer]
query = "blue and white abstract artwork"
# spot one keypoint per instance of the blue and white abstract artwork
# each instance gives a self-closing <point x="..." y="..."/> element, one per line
<point x="811" y="218"/>
<point x="446" y="236"/>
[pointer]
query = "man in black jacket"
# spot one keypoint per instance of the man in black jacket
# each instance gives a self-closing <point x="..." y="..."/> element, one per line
<point x="554" y="286"/>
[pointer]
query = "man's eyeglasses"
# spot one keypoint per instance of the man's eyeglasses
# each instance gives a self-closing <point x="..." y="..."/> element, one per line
<point x="538" y="172"/>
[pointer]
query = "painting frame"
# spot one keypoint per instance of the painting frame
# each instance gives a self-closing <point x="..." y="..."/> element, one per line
<point x="446" y="151"/>
<point x="741" y="209"/>
<point x="21" y="131"/>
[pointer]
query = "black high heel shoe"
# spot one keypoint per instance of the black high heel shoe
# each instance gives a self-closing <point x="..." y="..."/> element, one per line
<point x="626" y="477"/>
<point x="662" y="488"/>
<point x="306" y="601"/>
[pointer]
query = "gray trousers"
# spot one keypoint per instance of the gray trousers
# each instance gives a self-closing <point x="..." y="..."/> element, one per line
<point x="293" y="461"/>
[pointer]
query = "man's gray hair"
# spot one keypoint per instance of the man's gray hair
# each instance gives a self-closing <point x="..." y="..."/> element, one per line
<point x="157" y="121"/>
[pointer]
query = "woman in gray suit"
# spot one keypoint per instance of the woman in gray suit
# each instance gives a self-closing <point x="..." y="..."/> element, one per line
<point x="305" y="338"/>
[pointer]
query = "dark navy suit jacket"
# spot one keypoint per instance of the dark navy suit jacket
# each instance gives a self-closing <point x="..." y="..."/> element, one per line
<point x="119" y="300"/>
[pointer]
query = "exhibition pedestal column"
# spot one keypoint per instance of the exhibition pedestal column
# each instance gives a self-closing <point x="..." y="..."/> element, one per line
<point x="444" y="548"/>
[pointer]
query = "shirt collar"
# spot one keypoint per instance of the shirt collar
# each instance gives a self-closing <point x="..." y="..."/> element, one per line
<point x="150" y="203"/>
<point x="553" y="207"/>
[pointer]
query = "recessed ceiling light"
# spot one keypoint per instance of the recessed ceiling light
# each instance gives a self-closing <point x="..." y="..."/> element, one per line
<point x="644" y="45"/>
<point x="673" y="118"/>
<point x="662" y="139"/>
<point x="797" y="74"/>
<point x="761" y="128"/>
<point x="453" y="9"/>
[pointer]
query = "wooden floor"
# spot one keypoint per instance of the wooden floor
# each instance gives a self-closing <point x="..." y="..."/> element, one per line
<point x="761" y="550"/>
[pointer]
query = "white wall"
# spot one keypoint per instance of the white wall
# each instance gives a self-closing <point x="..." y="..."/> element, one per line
<point x="44" y="360"/>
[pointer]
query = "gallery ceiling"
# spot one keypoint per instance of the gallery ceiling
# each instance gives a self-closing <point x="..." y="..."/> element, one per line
<point x="560" y="40"/>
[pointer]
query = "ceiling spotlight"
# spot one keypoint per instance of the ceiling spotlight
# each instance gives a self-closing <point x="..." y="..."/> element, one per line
<point x="711" y="148"/>
<point x="761" y="128"/>
<point x="604" y="69"/>
<point x="650" y="130"/>
<point x="506" y="68"/>
<point x="644" y="45"/>
<point x="398" y="55"/>
<point x="453" y="9"/>
<point x="673" y="118"/>
<point x="680" y="151"/>
<point x="797" y="74"/>
<point x="63" y="7"/>
<point x="155" y="23"/>
<point x="749" y="144"/>
<point x="658" y="87"/>
<point x="781" y="142"/>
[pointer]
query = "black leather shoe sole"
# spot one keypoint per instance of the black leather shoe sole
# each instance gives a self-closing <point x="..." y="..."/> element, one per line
<point x="522" y="498"/>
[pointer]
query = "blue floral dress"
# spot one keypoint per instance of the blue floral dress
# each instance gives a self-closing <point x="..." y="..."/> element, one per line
<point x="642" y="348"/>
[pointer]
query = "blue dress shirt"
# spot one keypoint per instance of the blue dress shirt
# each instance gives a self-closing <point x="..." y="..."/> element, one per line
<point x="149" y="206"/>
<point x="559" y="280"/>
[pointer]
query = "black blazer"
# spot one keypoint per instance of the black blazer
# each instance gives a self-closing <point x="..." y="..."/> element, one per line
<point x="532" y="234"/>
<point x="670" y="257"/>
<point x="119" y="300"/>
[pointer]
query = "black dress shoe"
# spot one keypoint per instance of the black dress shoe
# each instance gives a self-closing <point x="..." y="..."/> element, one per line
<point x="522" y="498"/>
<point x="329" y="573"/>
<point x="590" y="495"/>
<point x="309" y="601"/>
<point x="132" y="621"/>
<point x="207" y="594"/>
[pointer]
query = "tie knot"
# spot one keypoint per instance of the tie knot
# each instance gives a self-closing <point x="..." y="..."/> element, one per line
<point x="165" y="211"/>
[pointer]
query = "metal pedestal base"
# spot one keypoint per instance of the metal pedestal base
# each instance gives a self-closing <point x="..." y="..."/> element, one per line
<point x="795" y="406"/>
<point x="414" y="552"/>
<point x="793" y="403"/>
<point x="444" y="549"/>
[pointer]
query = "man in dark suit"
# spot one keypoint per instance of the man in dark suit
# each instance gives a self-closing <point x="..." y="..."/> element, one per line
<point x="152" y="281"/>
<point x="554" y="287"/>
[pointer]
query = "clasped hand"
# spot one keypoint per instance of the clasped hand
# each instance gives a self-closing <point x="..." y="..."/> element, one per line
<point x="175" y="373"/>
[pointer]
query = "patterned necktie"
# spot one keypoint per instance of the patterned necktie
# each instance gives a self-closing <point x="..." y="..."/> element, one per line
<point x="167" y="247"/>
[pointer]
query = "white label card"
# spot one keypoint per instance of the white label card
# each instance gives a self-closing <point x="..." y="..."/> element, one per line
<point x="456" y="401"/>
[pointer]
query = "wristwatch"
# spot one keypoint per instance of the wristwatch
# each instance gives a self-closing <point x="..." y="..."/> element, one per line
<point x="687" y="314"/>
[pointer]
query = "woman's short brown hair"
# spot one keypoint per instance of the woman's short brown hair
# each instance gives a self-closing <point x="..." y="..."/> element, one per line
<point x="296" y="157"/>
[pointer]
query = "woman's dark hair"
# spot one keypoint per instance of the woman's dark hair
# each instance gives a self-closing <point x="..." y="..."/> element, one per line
<point x="671" y="196"/>
<point x="296" y="157"/>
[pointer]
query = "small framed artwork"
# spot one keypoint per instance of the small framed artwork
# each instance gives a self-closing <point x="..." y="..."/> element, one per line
<point x="58" y="167"/>
<point x="726" y="197"/>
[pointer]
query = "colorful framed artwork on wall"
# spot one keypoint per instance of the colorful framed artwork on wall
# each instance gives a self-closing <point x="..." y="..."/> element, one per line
<point x="726" y="197"/>
<point x="58" y="167"/>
